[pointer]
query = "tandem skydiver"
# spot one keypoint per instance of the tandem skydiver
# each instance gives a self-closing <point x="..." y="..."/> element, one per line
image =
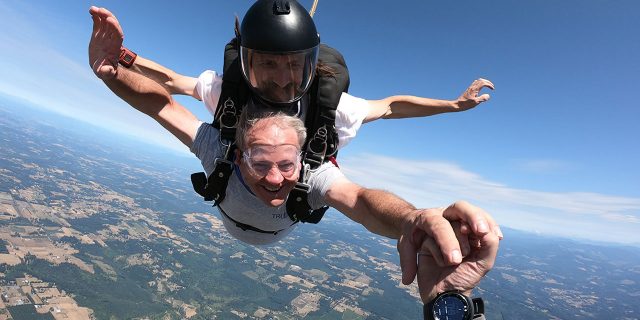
<point x="456" y="245"/>
<point x="379" y="211"/>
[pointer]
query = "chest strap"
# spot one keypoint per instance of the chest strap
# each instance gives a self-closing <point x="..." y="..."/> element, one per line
<point x="298" y="207"/>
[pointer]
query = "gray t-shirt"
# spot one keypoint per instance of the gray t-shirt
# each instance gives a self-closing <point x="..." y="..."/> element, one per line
<point x="242" y="206"/>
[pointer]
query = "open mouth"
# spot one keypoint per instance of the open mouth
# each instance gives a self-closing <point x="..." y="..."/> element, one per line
<point x="272" y="189"/>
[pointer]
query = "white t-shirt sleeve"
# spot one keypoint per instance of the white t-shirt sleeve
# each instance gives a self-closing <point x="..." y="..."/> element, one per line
<point x="209" y="87"/>
<point x="350" y="113"/>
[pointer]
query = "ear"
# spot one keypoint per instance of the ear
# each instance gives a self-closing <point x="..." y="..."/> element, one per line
<point x="238" y="157"/>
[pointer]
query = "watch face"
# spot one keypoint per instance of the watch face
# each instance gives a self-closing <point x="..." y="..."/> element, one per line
<point x="128" y="58"/>
<point x="450" y="307"/>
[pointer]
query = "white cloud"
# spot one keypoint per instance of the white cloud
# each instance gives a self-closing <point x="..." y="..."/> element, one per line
<point x="542" y="165"/>
<point x="591" y="216"/>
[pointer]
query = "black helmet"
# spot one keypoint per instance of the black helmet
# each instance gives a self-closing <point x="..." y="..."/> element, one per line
<point x="279" y="47"/>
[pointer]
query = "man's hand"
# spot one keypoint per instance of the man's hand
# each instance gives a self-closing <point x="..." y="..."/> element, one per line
<point x="434" y="279"/>
<point x="431" y="232"/>
<point x="106" y="40"/>
<point x="469" y="98"/>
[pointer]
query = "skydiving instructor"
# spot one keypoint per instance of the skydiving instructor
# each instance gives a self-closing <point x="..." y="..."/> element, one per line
<point x="263" y="40"/>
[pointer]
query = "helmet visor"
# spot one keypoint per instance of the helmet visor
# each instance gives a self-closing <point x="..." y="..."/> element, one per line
<point x="279" y="77"/>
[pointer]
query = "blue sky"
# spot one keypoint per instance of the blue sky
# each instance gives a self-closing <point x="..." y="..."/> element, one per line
<point x="554" y="151"/>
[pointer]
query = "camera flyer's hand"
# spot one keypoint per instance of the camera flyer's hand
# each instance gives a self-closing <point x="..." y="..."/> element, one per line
<point x="434" y="278"/>
<point x="106" y="41"/>
<point x="470" y="97"/>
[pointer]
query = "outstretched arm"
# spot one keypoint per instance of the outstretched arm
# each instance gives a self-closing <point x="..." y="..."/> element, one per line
<point x="151" y="99"/>
<point x="397" y="107"/>
<point x="379" y="211"/>
<point x="386" y="214"/>
<point x="172" y="81"/>
<point x="449" y="248"/>
<point x="108" y="37"/>
<point x="140" y="92"/>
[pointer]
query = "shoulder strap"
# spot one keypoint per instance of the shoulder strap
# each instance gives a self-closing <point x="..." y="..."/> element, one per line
<point x="322" y="138"/>
<point x="329" y="84"/>
<point x="233" y="97"/>
<point x="234" y="93"/>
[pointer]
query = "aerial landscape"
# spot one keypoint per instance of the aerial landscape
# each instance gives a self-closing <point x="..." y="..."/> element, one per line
<point x="99" y="220"/>
<point x="91" y="228"/>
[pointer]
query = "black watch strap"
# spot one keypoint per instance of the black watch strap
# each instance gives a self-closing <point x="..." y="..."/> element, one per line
<point x="478" y="306"/>
<point x="476" y="303"/>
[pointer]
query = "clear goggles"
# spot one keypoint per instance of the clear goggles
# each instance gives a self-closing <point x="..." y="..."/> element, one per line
<point x="261" y="159"/>
<point x="279" y="77"/>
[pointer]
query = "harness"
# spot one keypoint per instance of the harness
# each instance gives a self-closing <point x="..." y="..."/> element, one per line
<point x="320" y="146"/>
<point x="246" y="227"/>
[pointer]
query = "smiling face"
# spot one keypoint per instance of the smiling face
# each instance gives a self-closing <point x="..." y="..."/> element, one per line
<point x="279" y="77"/>
<point x="270" y="164"/>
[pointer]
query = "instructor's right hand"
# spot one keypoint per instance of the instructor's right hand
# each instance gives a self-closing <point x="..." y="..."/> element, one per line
<point x="106" y="41"/>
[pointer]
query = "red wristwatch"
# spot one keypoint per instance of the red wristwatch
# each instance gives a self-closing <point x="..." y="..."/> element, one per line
<point x="127" y="57"/>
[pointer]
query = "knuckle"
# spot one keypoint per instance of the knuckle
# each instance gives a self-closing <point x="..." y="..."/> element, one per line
<point x="461" y="204"/>
<point x="439" y="227"/>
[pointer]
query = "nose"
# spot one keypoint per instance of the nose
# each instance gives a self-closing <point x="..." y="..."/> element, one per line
<point x="282" y="78"/>
<point x="274" y="176"/>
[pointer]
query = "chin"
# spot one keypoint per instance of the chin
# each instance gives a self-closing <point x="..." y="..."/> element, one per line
<point x="274" y="199"/>
<point x="271" y="201"/>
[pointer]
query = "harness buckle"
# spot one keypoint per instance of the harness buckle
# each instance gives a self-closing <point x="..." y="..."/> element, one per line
<point x="216" y="185"/>
<point x="297" y="205"/>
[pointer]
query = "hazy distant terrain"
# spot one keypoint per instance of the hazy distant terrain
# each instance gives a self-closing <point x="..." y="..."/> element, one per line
<point x="117" y="227"/>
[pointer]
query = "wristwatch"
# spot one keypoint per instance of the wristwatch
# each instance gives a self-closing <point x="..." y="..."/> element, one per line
<point x="453" y="305"/>
<point x="127" y="57"/>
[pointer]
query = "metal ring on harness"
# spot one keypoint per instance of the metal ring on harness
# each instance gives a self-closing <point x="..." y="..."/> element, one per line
<point x="318" y="144"/>
<point x="228" y="118"/>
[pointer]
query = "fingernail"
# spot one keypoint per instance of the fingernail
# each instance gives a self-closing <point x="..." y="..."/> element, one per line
<point x="456" y="256"/>
<point x="465" y="250"/>
<point x="482" y="226"/>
